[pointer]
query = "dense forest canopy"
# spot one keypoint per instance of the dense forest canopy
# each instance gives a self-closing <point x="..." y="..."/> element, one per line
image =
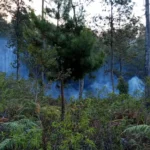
<point x="67" y="45"/>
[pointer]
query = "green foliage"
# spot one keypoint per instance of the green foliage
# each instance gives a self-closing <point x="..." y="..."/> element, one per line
<point x="122" y="86"/>
<point x="17" y="97"/>
<point x="70" y="50"/>
<point x="121" y="111"/>
<point x="138" y="137"/>
<point x="70" y="46"/>
<point x="82" y="54"/>
<point x="139" y="131"/>
<point x="4" y="27"/>
<point x="62" y="52"/>
<point x="74" y="132"/>
<point x="50" y="113"/>
<point x="42" y="54"/>
<point x="91" y="123"/>
<point x="21" y="134"/>
<point x="148" y="81"/>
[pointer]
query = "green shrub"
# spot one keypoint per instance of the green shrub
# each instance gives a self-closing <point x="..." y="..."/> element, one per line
<point x="122" y="86"/>
<point x="21" y="134"/>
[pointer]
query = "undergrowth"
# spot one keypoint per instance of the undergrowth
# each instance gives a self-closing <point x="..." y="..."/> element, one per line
<point x="118" y="122"/>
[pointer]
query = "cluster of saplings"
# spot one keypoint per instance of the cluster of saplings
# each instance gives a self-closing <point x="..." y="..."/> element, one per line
<point x="118" y="122"/>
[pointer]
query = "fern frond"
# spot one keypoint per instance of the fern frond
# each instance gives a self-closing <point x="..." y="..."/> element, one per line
<point x="7" y="143"/>
<point x="20" y="124"/>
<point x="21" y="133"/>
<point x="139" y="130"/>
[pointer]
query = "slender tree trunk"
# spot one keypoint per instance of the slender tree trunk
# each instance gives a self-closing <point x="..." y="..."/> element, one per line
<point x="81" y="87"/>
<point x="44" y="144"/>
<point x="42" y="74"/>
<point x="18" y="63"/>
<point x="74" y="14"/>
<point x="58" y="13"/>
<point x="36" y="92"/>
<point x="112" y="51"/>
<point x="44" y="45"/>
<point x="17" y="39"/>
<point x="61" y="68"/>
<point x="120" y="57"/>
<point x="62" y="100"/>
<point x="42" y="9"/>
<point x="44" y="132"/>
<point x="147" y="50"/>
<point x="81" y="82"/>
<point x="120" y="63"/>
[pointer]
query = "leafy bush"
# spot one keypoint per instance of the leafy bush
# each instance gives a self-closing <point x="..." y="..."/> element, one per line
<point x="21" y="134"/>
<point x="122" y="86"/>
<point x="137" y="137"/>
<point x="75" y="131"/>
<point x="92" y="123"/>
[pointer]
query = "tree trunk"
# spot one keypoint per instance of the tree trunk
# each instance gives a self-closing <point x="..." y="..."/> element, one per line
<point x="62" y="101"/>
<point x="112" y="51"/>
<point x="36" y="83"/>
<point x="120" y="63"/>
<point x="18" y="64"/>
<point x="61" y="68"/>
<point x="58" y="13"/>
<point x="44" y="46"/>
<point x="147" y="50"/>
<point x="44" y="142"/>
<point x="42" y="74"/>
<point x="42" y="9"/>
<point x="17" y="39"/>
<point x="81" y="87"/>
<point x="74" y="14"/>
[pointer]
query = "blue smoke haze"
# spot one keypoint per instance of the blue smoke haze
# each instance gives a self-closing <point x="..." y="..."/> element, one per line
<point x="98" y="86"/>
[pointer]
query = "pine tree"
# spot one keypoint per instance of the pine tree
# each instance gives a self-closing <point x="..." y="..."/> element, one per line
<point x="118" y="13"/>
<point x="40" y="59"/>
<point x="147" y="50"/>
<point x="77" y="46"/>
<point x="19" y="16"/>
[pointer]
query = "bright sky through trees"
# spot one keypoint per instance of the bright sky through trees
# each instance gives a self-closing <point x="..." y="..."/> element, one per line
<point x="95" y="7"/>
